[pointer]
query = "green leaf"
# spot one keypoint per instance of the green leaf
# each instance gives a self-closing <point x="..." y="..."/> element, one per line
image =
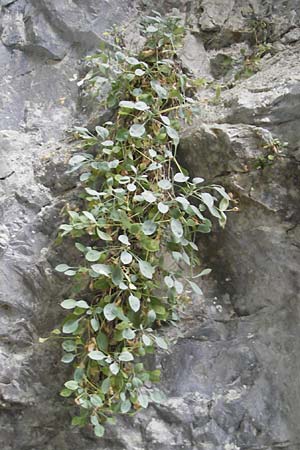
<point x="149" y="196"/>
<point x="149" y="227"/>
<point x="151" y="29"/>
<point x="159" y="89"/>
<point x="143" y="400"/>
<point x="176" y="227"/>
<point x="96" y="355"/>
<point x="165" y="184"/>
<point x="72" y="385"/>
<point x="102" y="269"/>
<point x="110" y="311"/>
<point x="152" y="152"/>
<point x="195" y="288"/>
<point x="102" y="132"/>
<point x="165" y="120"/>
<point x="197" y="180"/>
<point x="163" y="208"/>
<point x="126" y="356"/>
<point x="67" y="358"/>
<point x="69" y="303"/>
<point x="147" y="341"/>
<point x="178" y="287"/>
<point x="82" y="304"/>
<point x="102" y="341"/>
<point x="114" y="368"/>
<point x="77" y="159"/>
<point x="99" y="430"/>
<point x="134" y="303"/>
<point x="125" y="104"/>
<point x="204" y="272"/>
<point x="94" y="420"/>
<point x="107" y="143"/>
<point x="70" y="273"/>
<point x="124" y="239"/>
<point x="125" y="406"/>
<point x="96" y="400"/>
<point x="70" y="326"/>
<point x="172" y="133"/>
<point x="161" y="343"/>
<point x="117" y="275"/>
<point x="157" y="396"/>
<point x="133" y="61"/>
<point x="62" y="268"/>
<point x="139" y="72"/>
<point x="151" y="316"/>
<point x="146" y="269"/>
<point x="151" y="245"/>
<point x="221" y="191"/>
<point x="141" y="106"/>
<point x="137" y="130"/>
<point x="169" y="281"/>
<point x="103" y="236"/>
<point x="126" y="257"/>
<point x="128" y="334"/>
<point x="66" y="393"/>
<point x="79" y="421"/>
<point x="78" y="374"/>
<point x="224" y="203"/>
<point x="105" y="385"/>
<point x="92" y="255"/>
<point x="180" y="177"/>
<point x="95" y="324"/>
<point x="208" y="200"/>
<point x="184" y="203"/>
<point x="69" y="346"/>
<point x="89" y="216"/>
<point x="131" y="187"/>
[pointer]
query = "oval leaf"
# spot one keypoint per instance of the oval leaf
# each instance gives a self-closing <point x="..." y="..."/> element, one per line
<point x="165" y="184"/>
<point x="126" y="356"/>
<point x="102" y="269"/>
<point x="146" y="269"/>
<point x="92" y="255"/>
<point x="110" y="311"/>
<point x="126" y="258"/>
<point x="149" y="227"/>
<point x="124" y="239"/>
<point x="137" y="130"/>
<point x="134" y="303"/>
<point x="176" y="228"/>
<point x="163" y="208"/>
<point x="180" y="177"/>
<point x="70" y="326"/>
<point x="69" y="303"/>
<point x="96" y="355"/>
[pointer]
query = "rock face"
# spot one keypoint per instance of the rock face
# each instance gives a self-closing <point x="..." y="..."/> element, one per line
<point x="231" y="376"/>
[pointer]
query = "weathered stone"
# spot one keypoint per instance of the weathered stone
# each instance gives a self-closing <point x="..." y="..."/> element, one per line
<point x="194" y="56"/>
<point x="231" y="376"/>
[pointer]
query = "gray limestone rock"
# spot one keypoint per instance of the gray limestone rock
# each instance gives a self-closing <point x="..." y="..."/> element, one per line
<point x="231" y="376"/>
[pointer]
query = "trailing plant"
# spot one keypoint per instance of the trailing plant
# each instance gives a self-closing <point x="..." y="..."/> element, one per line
<point x="137" y="205"/>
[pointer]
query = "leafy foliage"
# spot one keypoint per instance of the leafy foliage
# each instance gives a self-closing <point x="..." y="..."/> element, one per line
<point x="139" y="206"/>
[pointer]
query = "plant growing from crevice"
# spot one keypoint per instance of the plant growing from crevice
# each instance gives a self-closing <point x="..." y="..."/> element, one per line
<point x="248" y="62"/>
<point x="260" y="30"/>
<point x="274" y="150"/>
<point x="137" y="209"/>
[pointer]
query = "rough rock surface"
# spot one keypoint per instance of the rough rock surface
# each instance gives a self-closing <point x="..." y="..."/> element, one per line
<point x="232" y="375"/>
